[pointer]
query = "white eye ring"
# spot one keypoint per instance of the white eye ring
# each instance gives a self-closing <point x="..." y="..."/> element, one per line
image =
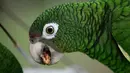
<point x="52" y="35"/>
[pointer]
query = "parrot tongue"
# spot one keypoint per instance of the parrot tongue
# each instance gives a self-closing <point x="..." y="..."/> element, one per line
<point x="46" y="56"/>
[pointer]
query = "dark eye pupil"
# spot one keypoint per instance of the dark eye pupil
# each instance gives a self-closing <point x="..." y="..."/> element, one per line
<point x="50" y="30"/>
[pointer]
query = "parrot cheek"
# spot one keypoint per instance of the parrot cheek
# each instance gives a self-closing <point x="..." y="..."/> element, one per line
<point x="38" y="51"/>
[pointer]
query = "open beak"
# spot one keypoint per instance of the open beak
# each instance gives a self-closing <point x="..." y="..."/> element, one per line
<point x="46" y="55"/>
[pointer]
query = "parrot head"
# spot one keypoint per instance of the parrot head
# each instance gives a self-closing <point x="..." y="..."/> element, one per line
<point x="54" y="32"/>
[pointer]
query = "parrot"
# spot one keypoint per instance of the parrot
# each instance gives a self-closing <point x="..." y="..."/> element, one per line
<point x="8" y="62"/>
<point x="99" y="29"/>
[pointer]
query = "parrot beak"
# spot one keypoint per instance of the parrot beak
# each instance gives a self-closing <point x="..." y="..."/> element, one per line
<point x="44" y="54"/>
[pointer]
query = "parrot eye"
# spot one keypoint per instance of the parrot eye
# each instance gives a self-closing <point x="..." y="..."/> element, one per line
<point x="50" y="30"/>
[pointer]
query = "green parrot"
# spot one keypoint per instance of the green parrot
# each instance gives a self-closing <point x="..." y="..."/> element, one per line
<point x="8" y="62"/>
<point x="99" y="29"/>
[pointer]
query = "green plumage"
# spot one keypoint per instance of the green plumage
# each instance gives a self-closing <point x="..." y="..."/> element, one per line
<point x="95" y="28"/>
<point x="8" y="62"/>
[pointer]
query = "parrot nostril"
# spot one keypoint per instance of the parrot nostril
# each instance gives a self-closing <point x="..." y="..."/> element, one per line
<point x="32" y="41"/>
